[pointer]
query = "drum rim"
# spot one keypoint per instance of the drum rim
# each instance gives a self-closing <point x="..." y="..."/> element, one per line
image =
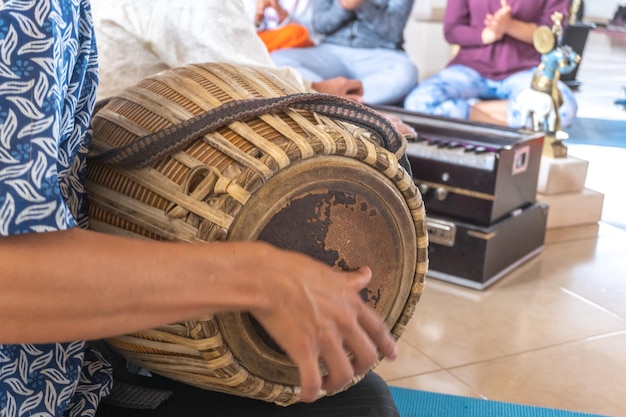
<point x="236" y="327"/>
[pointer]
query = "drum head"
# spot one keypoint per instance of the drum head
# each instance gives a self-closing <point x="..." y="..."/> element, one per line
<point x="341" y="212"/>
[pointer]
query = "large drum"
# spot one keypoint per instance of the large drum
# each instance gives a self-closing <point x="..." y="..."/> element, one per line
<point x="215" y="152"/>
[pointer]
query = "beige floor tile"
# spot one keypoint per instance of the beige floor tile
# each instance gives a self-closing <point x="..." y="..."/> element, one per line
<point x="564" y="234"/>
<point x="569" y="261"/>
<point x="454" y="327"/>
<point x="583" y="376"/>
<point x="410" y="362"/>
<point x="599" y="280"/>
<point x="584" y="232"/>
<point x="610" y="230"/>
<point x="602" y="75"/>
<point x="441" y="382"/>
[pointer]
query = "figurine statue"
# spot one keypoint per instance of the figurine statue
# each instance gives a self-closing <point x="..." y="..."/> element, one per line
<point x="576" y="11"/>
<point x="539" y="103"/>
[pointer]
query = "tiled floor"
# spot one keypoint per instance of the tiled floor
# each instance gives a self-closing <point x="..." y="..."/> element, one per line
<point x="553" y="332"/>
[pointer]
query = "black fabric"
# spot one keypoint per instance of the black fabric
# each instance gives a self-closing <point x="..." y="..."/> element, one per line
<point x="369" y="398"/>
<point x="135" y="396"/>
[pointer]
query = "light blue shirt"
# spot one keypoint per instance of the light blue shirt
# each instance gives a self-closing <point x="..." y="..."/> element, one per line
<point x="375" y="24"/>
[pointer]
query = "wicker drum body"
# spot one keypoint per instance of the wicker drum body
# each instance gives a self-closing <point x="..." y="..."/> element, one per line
<point x="294" y="178"/>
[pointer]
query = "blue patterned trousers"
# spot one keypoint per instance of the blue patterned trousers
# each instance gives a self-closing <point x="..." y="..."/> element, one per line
<point x="452" y="91"/>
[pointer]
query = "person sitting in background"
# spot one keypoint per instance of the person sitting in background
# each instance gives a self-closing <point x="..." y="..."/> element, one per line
<point x="137" y="39"/>
<point x="135" y="42"/>
<point x="496" y="61"/>
<point x="283" y="23"/>
<point x="362" y="39"/>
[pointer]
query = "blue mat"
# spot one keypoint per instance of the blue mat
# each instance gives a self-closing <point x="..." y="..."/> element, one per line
<point x="588" y="131"/>
<point x="413" y="403"/>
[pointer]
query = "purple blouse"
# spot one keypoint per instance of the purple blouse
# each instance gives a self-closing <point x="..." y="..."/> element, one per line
<point x="464" y="22"/>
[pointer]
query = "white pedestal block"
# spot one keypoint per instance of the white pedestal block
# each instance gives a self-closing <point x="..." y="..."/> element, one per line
<point x="561" y="175"/>
<point x="573" y="209"/>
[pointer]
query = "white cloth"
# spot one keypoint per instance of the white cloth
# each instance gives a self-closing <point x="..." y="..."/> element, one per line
<point x="138" y="38"/>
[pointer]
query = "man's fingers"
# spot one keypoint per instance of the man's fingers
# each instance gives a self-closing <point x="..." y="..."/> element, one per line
<point x="338" y="365"/>
<point x="338" y="321"/>
<point x="358" y="279"/>
<point x="310" y="378"/>
<point x="363" y="338"/>
<point x="403" y="128"/>
<point x="354" y="87"/>
<point x="378" y="332"/>
<point x="356" y="98"/>
<point x="364" y="352"/>
<point x="369" y="320"/>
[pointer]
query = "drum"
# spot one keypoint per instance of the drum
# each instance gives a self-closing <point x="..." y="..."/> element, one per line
<point x="214" y="152"/>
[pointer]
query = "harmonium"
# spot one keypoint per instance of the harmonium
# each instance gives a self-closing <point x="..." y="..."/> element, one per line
<point x="479" y="185"/>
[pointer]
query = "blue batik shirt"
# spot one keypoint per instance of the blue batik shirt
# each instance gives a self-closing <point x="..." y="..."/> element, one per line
<point x="48" y="86"/>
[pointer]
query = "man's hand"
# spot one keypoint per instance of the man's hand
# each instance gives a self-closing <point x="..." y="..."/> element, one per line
<point x="341" y="86"/>
<point x="405" y="130"/>
<point x="317" y="315"/>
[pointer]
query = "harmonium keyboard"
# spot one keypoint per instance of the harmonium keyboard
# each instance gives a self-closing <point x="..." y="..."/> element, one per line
<point x="472" y="171"/>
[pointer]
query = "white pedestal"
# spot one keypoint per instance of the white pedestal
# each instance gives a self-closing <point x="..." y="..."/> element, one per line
<point x="573" y="209"/>
<point x="561" y="175"/>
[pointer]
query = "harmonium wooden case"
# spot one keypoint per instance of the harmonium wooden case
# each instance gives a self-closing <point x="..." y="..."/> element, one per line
<point x="478" y="256"/>
<point x="469" y="171"/>
<point x="479" y="186"/>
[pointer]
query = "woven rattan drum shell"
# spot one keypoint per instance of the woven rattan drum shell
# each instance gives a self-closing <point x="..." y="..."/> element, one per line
<point x="294" y="178"/>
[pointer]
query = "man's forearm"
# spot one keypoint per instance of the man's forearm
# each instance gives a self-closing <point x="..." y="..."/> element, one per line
<point x="78" y="284"/>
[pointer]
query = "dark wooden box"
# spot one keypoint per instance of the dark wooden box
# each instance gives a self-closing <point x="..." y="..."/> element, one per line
<point x="476" y="257"/>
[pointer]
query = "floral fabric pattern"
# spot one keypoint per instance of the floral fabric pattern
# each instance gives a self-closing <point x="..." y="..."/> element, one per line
<point x="48" y="86"/>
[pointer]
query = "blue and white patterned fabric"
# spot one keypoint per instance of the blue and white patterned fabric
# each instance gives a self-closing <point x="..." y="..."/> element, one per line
<point x="48" y="85"/>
